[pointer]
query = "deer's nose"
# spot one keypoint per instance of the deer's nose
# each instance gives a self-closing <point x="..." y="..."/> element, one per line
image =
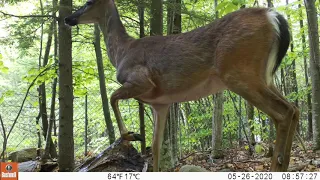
<point x="70" y="21"/>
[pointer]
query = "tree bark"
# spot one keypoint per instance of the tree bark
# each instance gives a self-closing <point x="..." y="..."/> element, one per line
<point x="156" y="23"/>
<point x="49" y="143"/>
<point x="250" y="117"/>
<point x="217" y="126"/>
<point x="173" y="130"/>
<point x="270" y="3"/>
<point x="41" y="110"/>
<point x="102" y="85"/>
<point x="56" y="61"/>
<point x="174" y="27"/>
<point x="291" y="70"/>
<point x="314" y="68"/>
<point x="240" y="138"/>
<point x="141" y="105"/>
<point x="217" y="115"/>
<point x="306" y="76"/>
<point x="65" y="138"/>
<point x="45" y="125"/>
<point x="86" y="125"/>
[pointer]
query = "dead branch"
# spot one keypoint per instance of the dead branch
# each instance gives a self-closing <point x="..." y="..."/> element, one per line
<point x="301" y="142"/>
<point x="4" y="138"/>
<point x="27" y="16"/>
<point x="127" y="17"/>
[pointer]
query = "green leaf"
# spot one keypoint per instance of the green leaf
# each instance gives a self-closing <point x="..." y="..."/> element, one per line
<point x="35" y="104"/>
<point x="1" y="99"/>
<point x="9" y="93"/>
<point x="5" y="70"/>
<point x="259" y="149"/>
<point x="54" y="138"/>
<point x="38" y="127"/>
<point x="230" y="8"/>
<point x="80" y="92"/>
<point x="221" y="5"/>
<point x="33" y="71"/>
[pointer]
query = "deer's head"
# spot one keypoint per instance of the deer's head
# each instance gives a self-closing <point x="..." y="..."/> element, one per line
<point x="91" y="12"/>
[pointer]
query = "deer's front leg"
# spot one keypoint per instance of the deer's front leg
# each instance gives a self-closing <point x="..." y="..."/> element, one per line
<point x="160" y="115"/>
<point x="127" y="91"/>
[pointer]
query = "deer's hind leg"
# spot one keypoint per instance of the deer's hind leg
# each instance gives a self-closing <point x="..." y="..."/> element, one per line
<point x="285" y="115"/>
<point x="293" y="125"/>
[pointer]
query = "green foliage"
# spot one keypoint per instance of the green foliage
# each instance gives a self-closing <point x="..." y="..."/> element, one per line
<point x="3" y="68"/>
<point x="6" y="94"/>
<point x="259" y="149"/>
<point x="227" y="7"/>
<point x="10" y="1"/>
<point x="47" y="74"/>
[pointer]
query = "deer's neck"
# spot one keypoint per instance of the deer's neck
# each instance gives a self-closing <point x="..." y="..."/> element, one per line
<point x="114" y="33"/>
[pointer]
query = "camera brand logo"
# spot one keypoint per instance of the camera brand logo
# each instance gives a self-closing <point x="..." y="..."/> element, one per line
<point x="9" y="171"/>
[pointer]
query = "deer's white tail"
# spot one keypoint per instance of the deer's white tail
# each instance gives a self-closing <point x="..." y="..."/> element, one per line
<point x="280" y="45"/>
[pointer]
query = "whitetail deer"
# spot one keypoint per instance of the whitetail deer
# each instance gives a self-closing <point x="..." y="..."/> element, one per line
<point x="239" y="52"/>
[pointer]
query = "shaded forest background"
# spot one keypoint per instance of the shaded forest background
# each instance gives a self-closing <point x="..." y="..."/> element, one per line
<point x="30" y="52"/>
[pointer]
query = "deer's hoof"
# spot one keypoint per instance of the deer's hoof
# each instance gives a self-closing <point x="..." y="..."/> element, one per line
<point x="131" y="136"/>
<point x="280" y="159"/>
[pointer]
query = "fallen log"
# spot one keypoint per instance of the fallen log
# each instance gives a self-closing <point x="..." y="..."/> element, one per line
<point x="120" y="156"/>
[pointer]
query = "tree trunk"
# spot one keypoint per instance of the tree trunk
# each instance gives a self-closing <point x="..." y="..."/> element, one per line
<point x="271" y="137"/>
<point x="86" y="125"/>
<point x="142" y="127"/>
<point x="174" y="118"/>
<point x="55" y="81"/>
<point x="45" y="125"/>
<point x="217" y="126"/>
<point x="49" y="143"/>
<point x="65" y="138"/>
<point x="314" y="68"/>
<point x="283" y="82"/>
<point x="263" y="126"/>
<point x="291" y="70"/>
<point x="240" y="138"/>
<point x="141" y="105"/>
<point x="102" y="85"/>
<point x="174" y="27"/>
<point x="156" y="23"/>
<point x="306" y="76"/>
<point x="270" y="3"/>
<point x="250" y="117"/>
<point x="38" y="130"/>
<point x="217" y="115"/>
<point x="41" y="113"/>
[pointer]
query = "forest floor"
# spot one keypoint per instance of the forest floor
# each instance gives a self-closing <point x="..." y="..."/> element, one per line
<point x="239" y="159"/>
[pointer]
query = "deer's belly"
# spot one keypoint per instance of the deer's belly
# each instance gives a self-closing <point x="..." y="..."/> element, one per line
<point x="205" y="88"/>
